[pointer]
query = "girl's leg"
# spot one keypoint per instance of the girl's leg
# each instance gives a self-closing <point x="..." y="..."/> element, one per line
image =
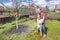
<point x="44" y="29"/>
<point x="37" y="29"/>
<point x="40" y="30"/>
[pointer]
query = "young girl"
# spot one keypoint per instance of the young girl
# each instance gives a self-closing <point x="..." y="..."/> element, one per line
<point x="41" y="21"/>
<point x="39" y="24"/>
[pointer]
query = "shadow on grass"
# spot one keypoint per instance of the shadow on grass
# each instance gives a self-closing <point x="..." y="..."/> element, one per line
<point x="2" y="27"/>
<point x="58" y="19"/>
<point x="21" y="28"/>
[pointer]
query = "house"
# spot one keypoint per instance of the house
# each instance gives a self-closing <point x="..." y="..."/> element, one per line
<point x="57" y="8"/>
<point x="1" y="9"/>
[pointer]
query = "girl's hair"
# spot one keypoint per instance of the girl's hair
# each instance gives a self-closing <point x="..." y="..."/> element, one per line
<point x="38" y="7"/>
<point x="40" y="10"/>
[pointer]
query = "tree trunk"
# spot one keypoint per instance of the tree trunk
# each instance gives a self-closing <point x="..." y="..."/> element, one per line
<point x="16" y="22"/>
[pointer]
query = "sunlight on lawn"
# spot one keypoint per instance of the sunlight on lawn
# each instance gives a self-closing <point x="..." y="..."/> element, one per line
<point x="53" y="32"/>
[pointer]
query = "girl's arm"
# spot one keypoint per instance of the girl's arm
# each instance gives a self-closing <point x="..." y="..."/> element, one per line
<point x="43" y="17"/>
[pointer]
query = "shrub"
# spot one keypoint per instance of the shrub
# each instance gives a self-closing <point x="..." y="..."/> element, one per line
<point x="59" y="18"/>
<point x="52" y="15"/>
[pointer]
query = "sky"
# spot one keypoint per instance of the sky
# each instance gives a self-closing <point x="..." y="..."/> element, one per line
<point x="42" y="3"/>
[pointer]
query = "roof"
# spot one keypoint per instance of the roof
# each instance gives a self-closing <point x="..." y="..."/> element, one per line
<point x="1" y="8"/>
<point x="1" y="4"/>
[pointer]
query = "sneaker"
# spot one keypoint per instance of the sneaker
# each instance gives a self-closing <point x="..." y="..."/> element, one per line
<point x="40" y="36"/>
<point x="44" y="35"/>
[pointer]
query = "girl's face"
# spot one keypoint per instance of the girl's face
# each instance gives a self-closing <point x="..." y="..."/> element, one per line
<point x="38" y="10"/>
<point x="38" y="16"/>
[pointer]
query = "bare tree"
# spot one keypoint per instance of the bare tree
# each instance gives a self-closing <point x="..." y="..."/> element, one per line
<point x="47" y="9"/>
<point x="16" y="4"/>
<point x="17" y="14"/>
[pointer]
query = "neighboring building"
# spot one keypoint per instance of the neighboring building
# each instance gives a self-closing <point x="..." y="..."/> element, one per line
<point x="5" y="12"/>
<point x="1" y="9"/>
<point x="27" y="10"/>
<point x="57" y="8"/>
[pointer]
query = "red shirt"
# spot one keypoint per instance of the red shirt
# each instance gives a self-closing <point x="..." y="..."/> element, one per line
<point x="42" y="14"/>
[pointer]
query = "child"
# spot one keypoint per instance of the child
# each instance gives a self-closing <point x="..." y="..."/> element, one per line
<point x="39" y="24"/>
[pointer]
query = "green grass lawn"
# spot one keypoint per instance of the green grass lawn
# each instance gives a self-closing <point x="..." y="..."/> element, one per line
<point x="53" y="32"/>
<point x="8" y="25"/>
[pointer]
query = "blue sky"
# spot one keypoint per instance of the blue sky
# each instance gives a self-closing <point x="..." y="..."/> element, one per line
<point x="4" y="0"/>
<point x="48" y="0"/>
<point x="43" y="3"/>
<point x="10" y="0"/>
<point x="24" y="0"/>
